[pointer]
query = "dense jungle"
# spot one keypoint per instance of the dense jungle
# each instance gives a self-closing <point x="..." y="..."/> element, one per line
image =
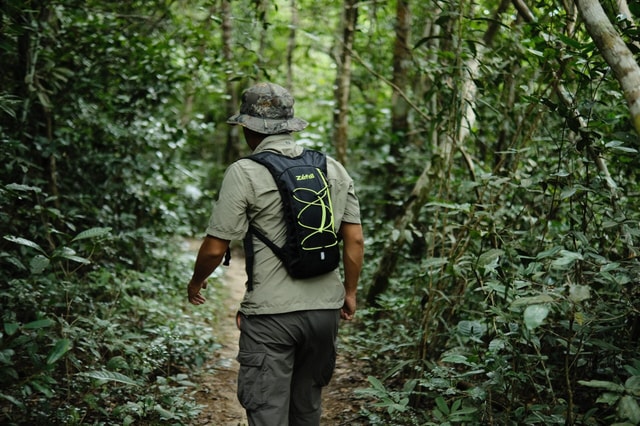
<point x="494" y="148"/>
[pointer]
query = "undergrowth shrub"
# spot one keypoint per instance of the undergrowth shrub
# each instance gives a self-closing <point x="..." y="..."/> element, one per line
<point x="105" y="346"/>
<point x="523" y="311"/>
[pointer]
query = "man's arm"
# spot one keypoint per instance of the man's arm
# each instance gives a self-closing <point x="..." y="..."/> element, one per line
<point x="352" y="258"/>
<point x="210" y="255"/>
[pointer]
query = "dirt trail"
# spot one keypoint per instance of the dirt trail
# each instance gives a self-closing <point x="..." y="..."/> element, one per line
<point x="217" y="390"/>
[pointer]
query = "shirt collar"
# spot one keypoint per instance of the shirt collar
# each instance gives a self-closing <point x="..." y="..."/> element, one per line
<point x="282" y="144"/>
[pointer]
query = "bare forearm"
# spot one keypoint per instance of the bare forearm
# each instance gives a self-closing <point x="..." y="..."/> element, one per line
<point x="206" y="263"/>
<point x="352" y="258"/>
<point x="210" y="255"/>
<point x="352" y="266"/>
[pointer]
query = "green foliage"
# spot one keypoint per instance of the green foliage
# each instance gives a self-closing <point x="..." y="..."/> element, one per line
<point x="88" y="343"/>
<point x="516" y="284"/>
<point x="513" y="300"/>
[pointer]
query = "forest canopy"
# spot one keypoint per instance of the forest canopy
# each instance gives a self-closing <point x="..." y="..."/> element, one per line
<point x="494" y="147"/>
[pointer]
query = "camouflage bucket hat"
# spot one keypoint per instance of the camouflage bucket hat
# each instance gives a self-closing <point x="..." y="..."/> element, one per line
<point x="268" y="109"/>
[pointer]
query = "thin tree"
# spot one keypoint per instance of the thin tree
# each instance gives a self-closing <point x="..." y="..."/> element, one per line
<point x="615" y="52"/>
<point x="232" y="148"/>
<point x="292" y="43"/>
<point x="401" y="66"/>
<point x="343" y="79"/>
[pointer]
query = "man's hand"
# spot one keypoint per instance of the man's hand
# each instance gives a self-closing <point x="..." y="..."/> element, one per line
<point x="193" y="290"/>
<point x="349" y="308"/>
<point x="210" y="255"/>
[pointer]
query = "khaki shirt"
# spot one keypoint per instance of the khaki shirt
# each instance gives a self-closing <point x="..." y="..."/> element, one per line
<point x="249" y="194"/>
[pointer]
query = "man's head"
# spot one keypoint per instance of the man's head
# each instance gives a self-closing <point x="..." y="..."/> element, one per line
<point x="267" y="108"/>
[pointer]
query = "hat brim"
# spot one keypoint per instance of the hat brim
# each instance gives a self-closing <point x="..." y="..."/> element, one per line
<point x="268" y="126"/>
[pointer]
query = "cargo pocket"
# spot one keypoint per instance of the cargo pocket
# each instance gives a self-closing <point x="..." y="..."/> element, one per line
<point x="323" y="376"/>
<point x="251" y="382"/>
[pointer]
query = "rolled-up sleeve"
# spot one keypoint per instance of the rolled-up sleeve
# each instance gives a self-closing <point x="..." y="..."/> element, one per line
<point x="228" y="219"/>
<point x="352" y="207"/>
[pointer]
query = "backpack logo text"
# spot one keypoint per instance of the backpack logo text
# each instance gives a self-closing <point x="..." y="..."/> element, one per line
<point x="305" y="176"/>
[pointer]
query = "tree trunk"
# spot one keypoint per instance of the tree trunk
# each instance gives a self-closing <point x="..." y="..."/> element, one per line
<point x="615" y="52"/>
<point x="343" y="80"/>
<point x="399" y="106"/>
<point x="401" y="67"/>
<point x="232" y="148"/>
<point x="292" y="44"/>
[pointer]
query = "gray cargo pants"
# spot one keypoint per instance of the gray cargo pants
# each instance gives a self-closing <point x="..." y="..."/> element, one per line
<point x="285" y="360"/>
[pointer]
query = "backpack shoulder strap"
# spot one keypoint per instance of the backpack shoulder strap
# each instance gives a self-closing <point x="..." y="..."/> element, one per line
<point x="278" y="163"/>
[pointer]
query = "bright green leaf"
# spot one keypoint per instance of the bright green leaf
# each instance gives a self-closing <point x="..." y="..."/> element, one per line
<point x="548" y="253"/>
<point x="566" y="258"/>
<point x="633" y="385"/>
<point x="619" y="145"/>
<point x="164" y="413"/>
<point x="92" y="233"/>
<point x="6" y="355"/>
<point x="456" y="359"/>
<point x="23" y="188"/>
<point x="532" y="300"/>
<point x="534" y="315"/>
<point x="24" y="242"/>
<point x="496" y="345"/>
<point x="602" y="384"/>
<point x="568" y="192"/>
<point x="628" y="409"/>
<point x="43" y="323"/>
<point x="12" y="400"/>
<point x="11" y="327"/>
<point x="38" y="264"/>
<point x="43" y="388"/>
<point x="434" y="262"/>
<point x="464" y="207"/>
<point x="471" y="329"/>
<point x="442" y="405"/>
<point x="579" y="293"/>
<point x="110" y="376"/>
<point x="490" y="257"/>
<point x="608" y="267"/>
<point x="61" y="348"/>
<point x="76" y="258"/>
<point x="376" y="383"/>
<point x="609" y="398"/>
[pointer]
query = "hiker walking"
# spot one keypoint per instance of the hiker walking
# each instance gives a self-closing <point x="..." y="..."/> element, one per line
<point x="293" y="208"/>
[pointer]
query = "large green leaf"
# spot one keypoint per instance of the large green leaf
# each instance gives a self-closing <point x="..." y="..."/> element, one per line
<point x="628" y="409"/>
<point x="532" y="300"/>
<point x="566" y="258"/>
<point x="70" y="254"/>
<point x="42" y="323"/>
<point x="38" y="263"/>
<point x="24" y="242"/>
<point x="12" y="400"/>
<point x="534" y="315"/>
<point x="22" y="188"/>
<point x="11" y="327"/>
<point x="110" y="376"/>
<point x="92" y="233"/>
<point x="602" y="384"/>
<point x="61" y="348"/>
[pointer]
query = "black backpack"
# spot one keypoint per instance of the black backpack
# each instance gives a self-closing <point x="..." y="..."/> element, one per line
<point x="311" y="247"/>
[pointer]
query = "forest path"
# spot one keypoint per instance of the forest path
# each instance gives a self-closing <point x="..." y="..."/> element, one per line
<point x="218" y="384"/>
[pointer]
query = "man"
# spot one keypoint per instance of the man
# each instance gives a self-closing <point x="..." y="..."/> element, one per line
<point x="288" y="326"/>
